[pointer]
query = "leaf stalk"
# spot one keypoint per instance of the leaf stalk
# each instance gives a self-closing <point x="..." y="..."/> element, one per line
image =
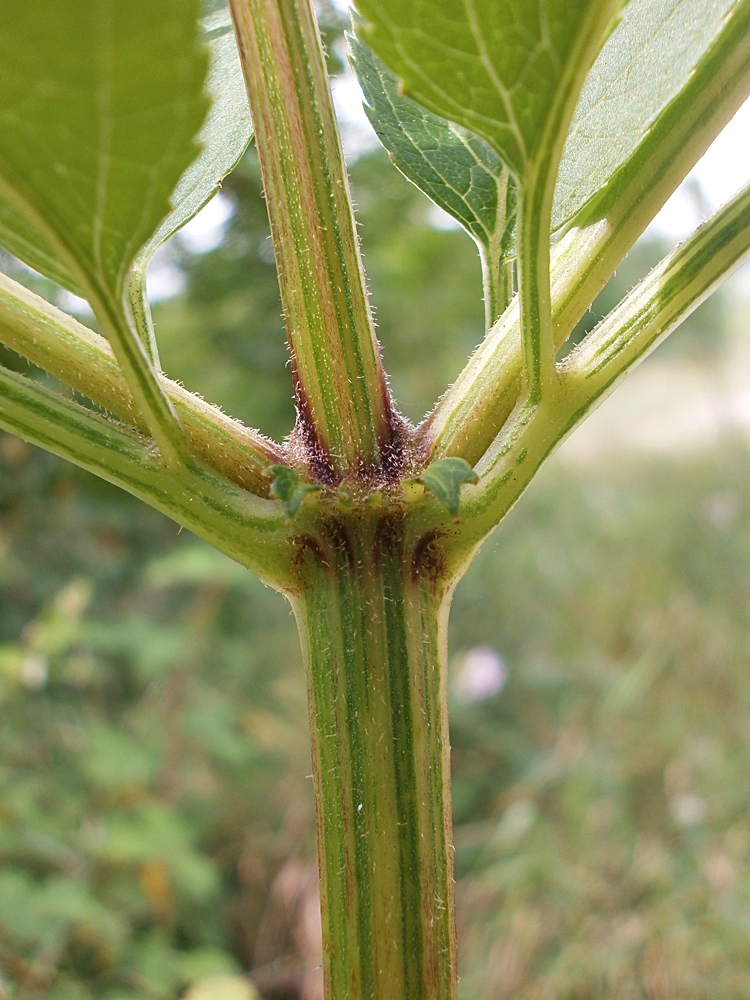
<point x="84" y="361"/>
<point x="474" y="410"/>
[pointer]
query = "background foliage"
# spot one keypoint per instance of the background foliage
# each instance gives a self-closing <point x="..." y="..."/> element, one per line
<point x="156" y="818"/>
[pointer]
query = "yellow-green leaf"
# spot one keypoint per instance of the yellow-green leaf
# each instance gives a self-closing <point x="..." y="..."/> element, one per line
<point x="646" y="62"/>
<point x="222" y="140"/>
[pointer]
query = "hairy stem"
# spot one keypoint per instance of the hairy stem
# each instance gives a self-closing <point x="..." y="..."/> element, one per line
<point x="252" y="531"/>
<point x="643" y="319"/>
<point x="473" y="411"/>
<point x="344" y="411"/>
<point x="660" y="302"/>
<point x="372" y="613"/>
<point x="84" y="361"/>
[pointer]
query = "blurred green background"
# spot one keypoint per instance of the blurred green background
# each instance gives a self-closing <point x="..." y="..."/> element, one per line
<point x="156" y="814"/>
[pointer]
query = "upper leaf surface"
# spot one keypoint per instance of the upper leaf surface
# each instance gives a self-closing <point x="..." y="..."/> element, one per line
<point x="459" y="171"/>
<point x="100" y="103"/>
<point x="493" y="66"/>
<point x="645" y="63"/>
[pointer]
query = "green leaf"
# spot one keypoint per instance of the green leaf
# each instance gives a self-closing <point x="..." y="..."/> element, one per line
<point x="19" y="237"/>
<point x="223" y="139"/>
<point x="503" y="70"/>
<point x="100" y="103"/>
<point x="459" y="171"/>
<point x="444" y="479"/>
<point x="645" y="63"/>
<point x="225" y="134"/>
<point x="287" y="487"/>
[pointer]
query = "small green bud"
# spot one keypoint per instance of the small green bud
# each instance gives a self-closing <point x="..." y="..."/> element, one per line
<point x="444" y="479"/>
<point x="288" y="487"/>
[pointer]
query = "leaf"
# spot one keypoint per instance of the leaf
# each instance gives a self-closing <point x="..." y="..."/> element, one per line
<point x="645" y="63"/>
<point x="459" y="171"/>
<point x="225" y="134"/>
<point x="444" y="479"/>
<point x="287" y="487"/>
<point x="224" y="137"/>
<point x="19" y="237"/>
<point x="100" y="103"/>
<point x="499" y="69"/>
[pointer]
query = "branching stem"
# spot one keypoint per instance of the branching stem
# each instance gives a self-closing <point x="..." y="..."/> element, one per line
<point x="252" y="531"/>
<point x="642" y="320"/>
<point x="84" y="361"/>
<point x="472" y="413"/>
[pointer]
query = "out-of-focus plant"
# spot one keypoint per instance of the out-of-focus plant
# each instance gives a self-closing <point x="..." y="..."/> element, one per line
<point x="518" y="120"/>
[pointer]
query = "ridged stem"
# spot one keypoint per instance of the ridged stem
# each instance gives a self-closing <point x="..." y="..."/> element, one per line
<point x="473" y="411"/>
<point x="343" y="407"/>
<point x="372" y="617"/>
<point x="249" y="529"/>
<point x="651" y="311"/>
<point x="84" y="361"/>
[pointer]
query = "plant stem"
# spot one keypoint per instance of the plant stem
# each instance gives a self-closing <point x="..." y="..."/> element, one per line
<point x="497" y="280"/>
<point x="247" y="528"/>
<point x="372" y="617"/>
<point x="662" y="300"/>
<point x="343" y="406"/>
<point x="84" y="361"/>
<point x="473" y="411"/>
<point x="140" y="311"/>
<point x="622" y="340"/>
<point x="534" y="293"/>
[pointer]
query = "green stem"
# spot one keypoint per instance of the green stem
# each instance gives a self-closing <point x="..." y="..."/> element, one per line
<point x="656" y="306"/>
<point x="141" y="310"/>
<point x="653" y="309"/>
<point x="497" y="260"/>
<point x="83" y="360"/>
<point x="343" y="406"/>
<point x="534" y="295"/>
<point x="473" y="411"/>
<point x="252" y="531"/>
<point x="372" y="616"/>
<point x="497" y="279"/>
<point x="132" y="356"/>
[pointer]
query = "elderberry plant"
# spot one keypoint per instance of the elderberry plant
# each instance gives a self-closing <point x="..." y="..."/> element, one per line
<point x="553" y="133"/>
